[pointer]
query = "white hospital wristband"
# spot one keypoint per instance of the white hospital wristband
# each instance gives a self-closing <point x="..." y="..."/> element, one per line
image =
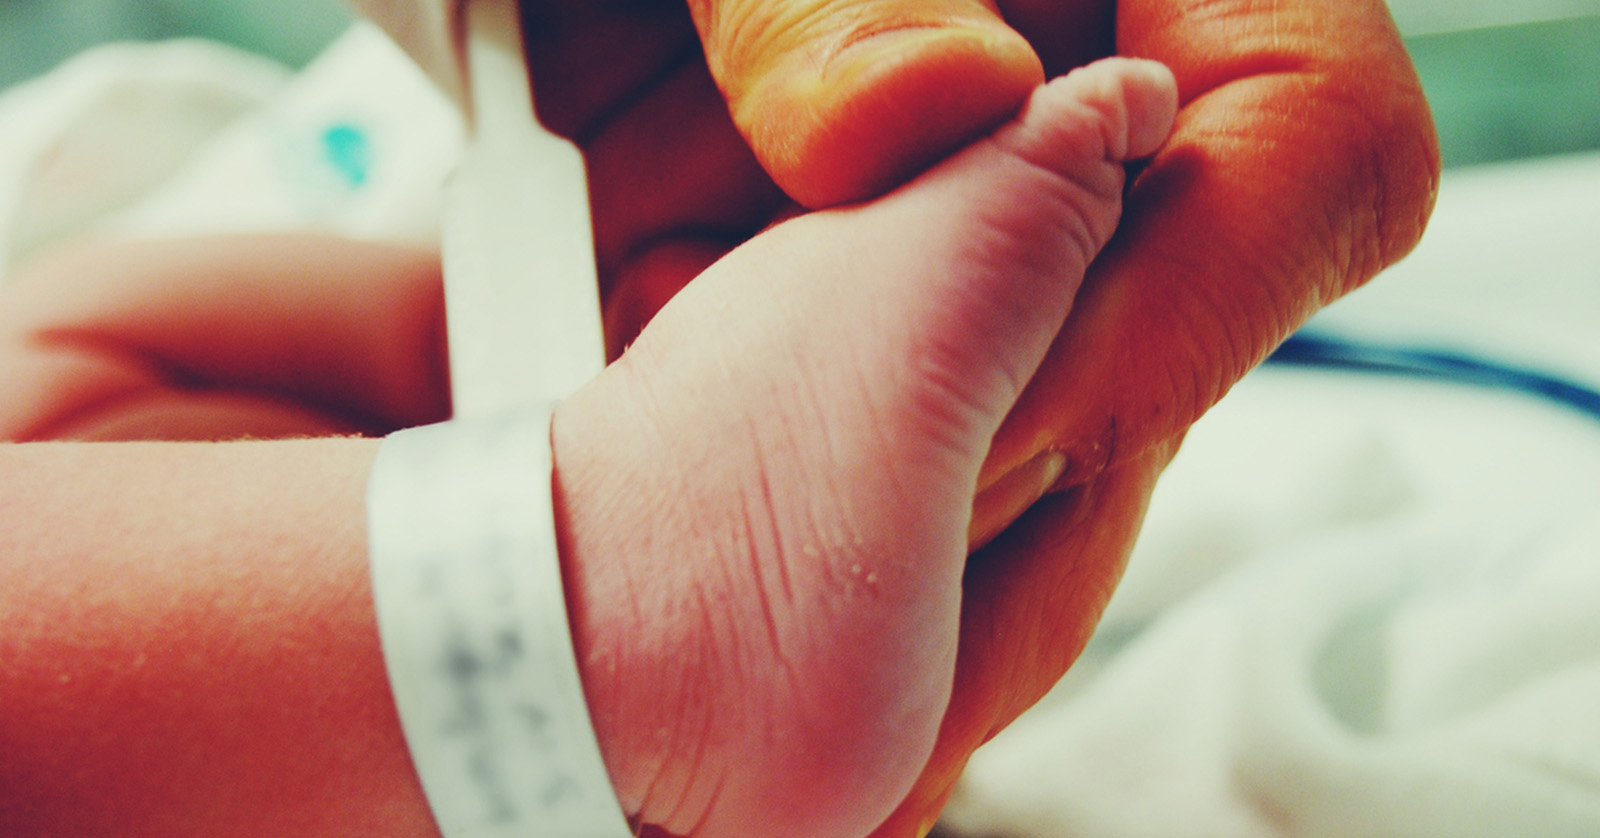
<point x="475" y="634"/>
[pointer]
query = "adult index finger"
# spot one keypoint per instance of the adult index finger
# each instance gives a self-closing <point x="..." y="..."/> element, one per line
<point x="843" y="99"/>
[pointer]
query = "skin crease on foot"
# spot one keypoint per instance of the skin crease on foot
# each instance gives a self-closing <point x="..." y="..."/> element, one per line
<point x="786" y="577"/>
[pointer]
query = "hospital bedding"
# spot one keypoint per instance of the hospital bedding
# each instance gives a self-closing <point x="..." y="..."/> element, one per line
<point x="1361" y="606"/>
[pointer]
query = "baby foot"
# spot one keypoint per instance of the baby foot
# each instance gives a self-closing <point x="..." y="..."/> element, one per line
<point x="766" y="499"/>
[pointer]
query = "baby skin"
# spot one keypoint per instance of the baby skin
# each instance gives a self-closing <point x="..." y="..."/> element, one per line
<point x="767" y="560"/>
<point x="764" y="504"/>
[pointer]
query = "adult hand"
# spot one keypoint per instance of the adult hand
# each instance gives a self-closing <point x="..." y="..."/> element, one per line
<point x="1302" y="163"/>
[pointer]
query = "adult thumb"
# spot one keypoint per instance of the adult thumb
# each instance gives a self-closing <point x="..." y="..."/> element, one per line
<point x="842" y="100"/>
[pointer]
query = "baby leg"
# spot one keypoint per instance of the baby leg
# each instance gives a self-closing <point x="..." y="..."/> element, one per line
<point x="766" y="499"/>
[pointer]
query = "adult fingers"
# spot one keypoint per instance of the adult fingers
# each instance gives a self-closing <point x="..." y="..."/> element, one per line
<point x="349" y="331"/>
<point x="1304" y="161"/>
<point x="666" y="165"/>
<point x="841" y="99"/>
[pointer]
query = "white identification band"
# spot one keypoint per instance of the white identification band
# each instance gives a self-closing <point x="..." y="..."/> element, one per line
<point x="475" y="634"/>
<point x="465" y="572"/>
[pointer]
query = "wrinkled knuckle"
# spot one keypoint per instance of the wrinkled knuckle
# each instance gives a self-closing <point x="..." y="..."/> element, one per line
<point x="1393" y="153"/>
<point x="744" y="38"/>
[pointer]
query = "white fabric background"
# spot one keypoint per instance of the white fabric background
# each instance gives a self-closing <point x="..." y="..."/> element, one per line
<point x="190" y="137"/>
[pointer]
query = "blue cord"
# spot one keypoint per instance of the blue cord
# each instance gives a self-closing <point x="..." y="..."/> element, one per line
<point x="1328" y="352"/>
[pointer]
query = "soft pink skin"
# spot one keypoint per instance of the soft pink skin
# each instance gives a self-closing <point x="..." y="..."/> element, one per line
<point x="764" y="504"/>
<point x="774" y="537"/>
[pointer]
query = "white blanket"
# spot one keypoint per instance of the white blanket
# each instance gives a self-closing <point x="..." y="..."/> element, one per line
<point x="189" y="137"/>
<point x="1361" y="606"/>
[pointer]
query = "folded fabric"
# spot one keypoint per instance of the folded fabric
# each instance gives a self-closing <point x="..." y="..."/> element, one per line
<point x="358" y="144"/>
<point x="190" y="137"/>
<point x="1359" y="608"/>
<point x="99" y="132"/>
